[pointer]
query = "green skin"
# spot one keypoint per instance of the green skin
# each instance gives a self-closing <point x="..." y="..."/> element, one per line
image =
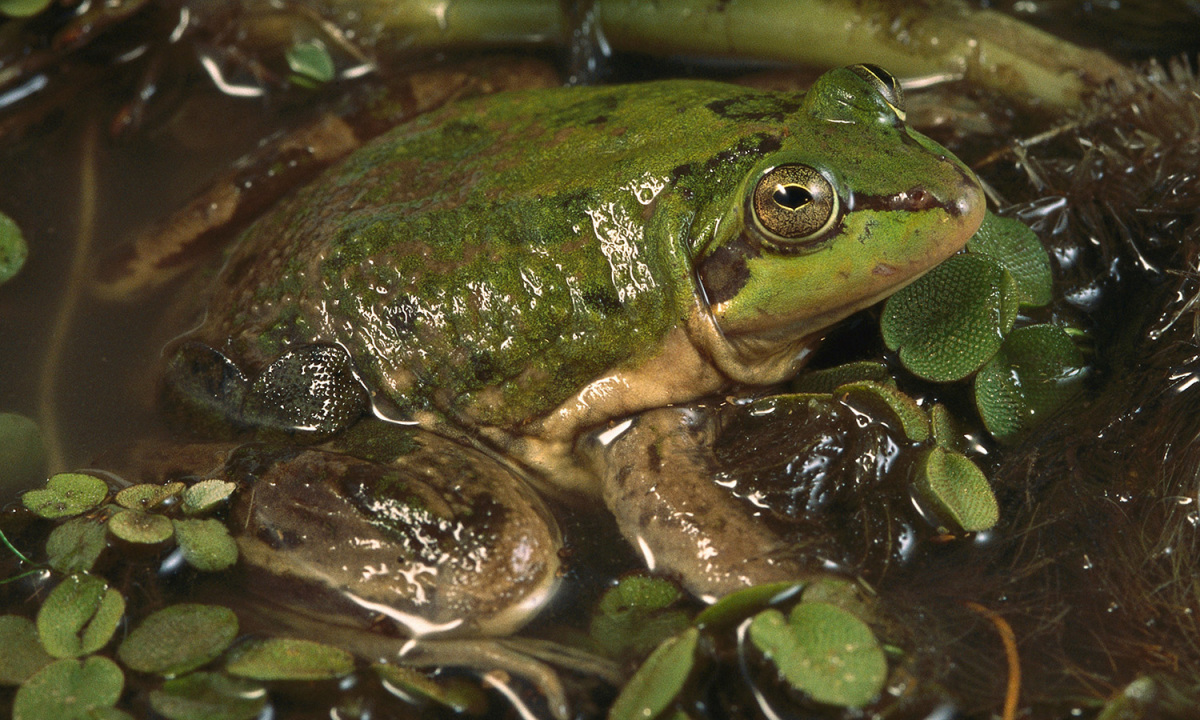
<point x="520" y="268"/>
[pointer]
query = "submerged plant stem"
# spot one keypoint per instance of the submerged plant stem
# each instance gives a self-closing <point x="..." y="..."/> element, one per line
<point x="47" y="405"/>
<point x="1012" y="691"/>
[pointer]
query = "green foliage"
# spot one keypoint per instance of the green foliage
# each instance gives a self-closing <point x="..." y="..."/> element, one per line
<point x="1017" y="249"/>
<point x="310" y="64"/>
<point x="179" y="638"/>
<point x="206" y="544"/>
<point x="452" y="693"/>
<point x="660" y="678"/>
<point x="66" y="494"/>
<point x="22" y="452"/>
<point x="142" y="528"/>
<point x="956" y="491"/>
<point x="829" y="379"/>
<point x="208" y="696"/>
<point x="635" y="616"/>
<point x="17" y="9"/>
<point x="205" y="495"/>
<point x="823" y="651"/>
<point x="288" y="659"/>
<point x="79" y="616"/>
<point x="147" y="497"/>
<point x="23" y="653"/>
<point x="71" y="690"/>
<point x="74" y="546"/>
<point x="947" y="324"/>
<point x="1037" y="370"/>
<point x="887" y="403"/>
<point x="736" y="606"/>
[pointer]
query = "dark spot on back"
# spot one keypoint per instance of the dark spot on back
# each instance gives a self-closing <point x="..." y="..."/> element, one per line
<point x="756" y="107"/>
<point x="602" y="299"/>
<point x="483" y="367"/>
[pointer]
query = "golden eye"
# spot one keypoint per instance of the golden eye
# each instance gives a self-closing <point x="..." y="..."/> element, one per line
<point x="794" y="202"/>
<point x="887" y="85"/>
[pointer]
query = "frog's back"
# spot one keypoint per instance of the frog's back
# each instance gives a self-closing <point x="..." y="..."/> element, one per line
<point x="490" y="259"/>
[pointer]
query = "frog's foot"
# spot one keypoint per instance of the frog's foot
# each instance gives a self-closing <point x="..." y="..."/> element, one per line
<point x="441" y="541"/>
<point x="657" y="474"/>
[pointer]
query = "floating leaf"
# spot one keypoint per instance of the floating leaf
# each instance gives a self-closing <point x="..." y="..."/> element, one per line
<point x="23" y="654"/>
<point x="139" y="527"/>
<point x="66" y="494"/>
<point x="70" y="690"/>
<point x="209" y="696"/>
<point x="74" y="546"/>
<point x="888" y="404"/>
<point x="1037" y="370"/>
<point x="79" y="616"/>
<point x="179" y="638"/>
<point x="951" y="321"/>
<point x="741" y="604"/>
<point x="632" y="617"/>
<point x="945" y="430"/>
<point x="824" y="651"/>
<point x="146" y="496"/>
<point x="1018" y="250"/>
<point x="205" y="544"/>
<point x="311" y="63"/>
<point x="828" y="380"/>
<point x="17" y="9"/>
<point x="22" y="452"/>
<point x="843" y="592"/>
<point x="289" y="659"/>
<point x="206" y="495"/>
<point x="658" y="680"/>
<point x="956" y="490"/>
<point x="450" y="692"/>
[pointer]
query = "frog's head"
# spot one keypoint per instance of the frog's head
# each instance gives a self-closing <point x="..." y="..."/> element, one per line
<point x="852" y="207"/>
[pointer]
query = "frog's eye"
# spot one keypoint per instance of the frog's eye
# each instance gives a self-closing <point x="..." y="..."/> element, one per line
<point x="794" y="202"/>
<point x="887" y="85"/>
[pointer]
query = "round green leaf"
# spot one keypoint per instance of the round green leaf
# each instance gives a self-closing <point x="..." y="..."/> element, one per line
<point x="289" y="659"/>
<point x="74" y="546"/>
<point x="206" y="495"/>
<point x="945" y="430"/>
<point x="633" y="618"/>
<point x="1018" y="250"/>
<point x="956" y="490"/>
<point x="311" y="63"/>
<point x="824" y="651"/>
<point x="70" y="690"/>
<point x="1037" y="370"/>
<point x="22" y="452"/>
<point x="741" y="604"/>
<point x="829" y="379"/>
<point x="179" y="638"/>
<point x="459" y="697"/>
<point x="17" y="9"/>
<point x="658" y="680"/>
<point x="79" y="616"/>
<point x="889" y="404"/>
<point x="952" y="320"/>
<point x="23" y="654"/>
<point x="205" y="544"/>
<point x="147" y="497"/>
<point x="66" y="494"/>
<point x="138" y="527"/>
<point x="208" y="696"/>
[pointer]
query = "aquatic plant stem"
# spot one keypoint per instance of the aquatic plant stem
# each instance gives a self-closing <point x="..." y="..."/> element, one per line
<point x="47" y="409"/>
<point x="1012" y="690"/>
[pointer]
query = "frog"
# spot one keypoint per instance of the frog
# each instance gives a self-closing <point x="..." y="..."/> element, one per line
<point x="539" y="283"/>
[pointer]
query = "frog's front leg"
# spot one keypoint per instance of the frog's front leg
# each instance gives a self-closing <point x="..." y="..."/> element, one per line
<point x="657" y="473"/>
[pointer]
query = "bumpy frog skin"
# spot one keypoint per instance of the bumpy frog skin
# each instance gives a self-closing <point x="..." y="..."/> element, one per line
<point x="517" y="270"/>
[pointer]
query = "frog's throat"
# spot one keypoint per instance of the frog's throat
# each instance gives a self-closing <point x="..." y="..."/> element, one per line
<point x="748" y="359"/>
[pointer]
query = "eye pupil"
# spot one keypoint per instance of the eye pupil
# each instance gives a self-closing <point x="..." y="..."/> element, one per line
<point x="791" y="197"/>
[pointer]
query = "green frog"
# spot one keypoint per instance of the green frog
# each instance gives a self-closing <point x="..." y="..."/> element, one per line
<point x="537" y="278"/>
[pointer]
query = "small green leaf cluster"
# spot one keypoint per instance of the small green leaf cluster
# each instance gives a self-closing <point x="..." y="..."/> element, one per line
<point x="310" y="63"/>
<point x="144" y="514"/>
<point x="22" y="8"/>
<point x="949" y="485"/>
<point x="822" y="648"/>
<point x="957" y="321"/>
